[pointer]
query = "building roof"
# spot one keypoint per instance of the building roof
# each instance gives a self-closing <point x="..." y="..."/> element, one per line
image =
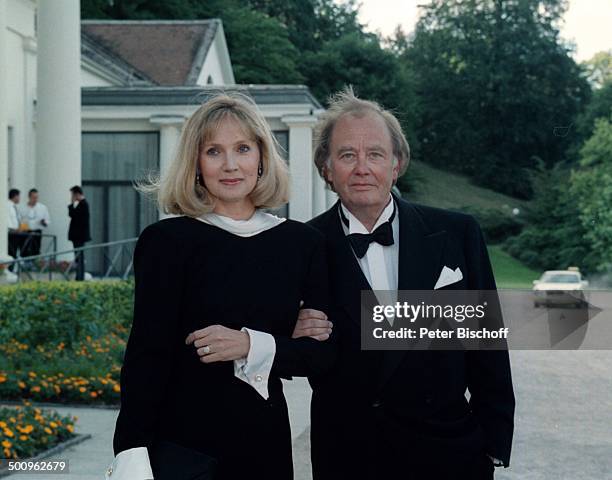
<point x="111" y="65"/>
<point x="166" y="52"/>
<point x="262" y="94"/>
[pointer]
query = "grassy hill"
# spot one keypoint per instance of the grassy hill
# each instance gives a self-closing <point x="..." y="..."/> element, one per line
<point x="509" y="272"/>
<point x="438" y="188"/>
<point x="442" y="189"/>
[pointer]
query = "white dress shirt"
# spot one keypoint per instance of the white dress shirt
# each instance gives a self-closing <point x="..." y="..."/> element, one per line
<point x="380" y="263"/>
<point x="13" y="216"/>
<point x="134" y="464"/>
<point x="34" y="214"/>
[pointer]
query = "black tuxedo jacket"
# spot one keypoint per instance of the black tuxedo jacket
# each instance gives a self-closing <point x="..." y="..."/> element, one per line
<point x="404" y="414"/>
<point x="79" y="222"/>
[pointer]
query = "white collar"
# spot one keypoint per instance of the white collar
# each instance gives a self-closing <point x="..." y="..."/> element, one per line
<point x="259" y="222"/>
<point x="355" y="226"/>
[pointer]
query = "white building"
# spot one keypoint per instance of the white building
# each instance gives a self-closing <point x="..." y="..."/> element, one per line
<point x="100" y="103"/>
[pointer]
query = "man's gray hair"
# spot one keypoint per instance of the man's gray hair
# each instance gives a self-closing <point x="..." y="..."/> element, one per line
<point x="346" y="102"/>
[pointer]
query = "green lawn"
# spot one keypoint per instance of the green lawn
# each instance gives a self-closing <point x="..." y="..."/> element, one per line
<point x="442" y="189"/>
<point x="509" y="272"/>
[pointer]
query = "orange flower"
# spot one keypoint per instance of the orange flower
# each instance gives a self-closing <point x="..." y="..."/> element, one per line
<point x="70" y="428"/>
<point x="2" y="378"/>
<point x="35" y="389"/>
<point x="8" y="432"/>
<point x="48" y="430"/>
<point x="93" y="394"/>
<point x="6" y="444"/>
<point x="23" y="438"/>
<point x="116" y="388"/>
<point x="21" y="384"/>
<point x="82" y="389"/>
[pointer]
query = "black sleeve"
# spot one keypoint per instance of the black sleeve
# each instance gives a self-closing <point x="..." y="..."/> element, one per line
<point x="153" y="339"/>
<point x="306" y="356"/>
<point x="489" y="378"/>
<point x="70" y="210"/>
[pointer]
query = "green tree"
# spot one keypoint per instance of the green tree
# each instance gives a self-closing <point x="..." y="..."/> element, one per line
<point x="497" y="88"/>
<point x="375" y="73"/>
<point x="600" y="106"/>
<point x="312" y="22"/>
<point x="599" y="68"/>
<point x="554" y="238"/>
<point x="591" y="185"/>
<point x="260" y="48"/>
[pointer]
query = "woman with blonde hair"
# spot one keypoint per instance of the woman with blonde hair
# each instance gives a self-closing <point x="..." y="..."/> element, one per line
<point x="218" y="291"/>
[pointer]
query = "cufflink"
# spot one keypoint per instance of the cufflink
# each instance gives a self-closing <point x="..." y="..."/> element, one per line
<point x="109" y="472"/>
<point x="258" y="378"/>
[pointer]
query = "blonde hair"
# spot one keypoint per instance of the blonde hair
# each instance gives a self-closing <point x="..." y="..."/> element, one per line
<point x="346" y="102"/>
<point x="178" y="193"/>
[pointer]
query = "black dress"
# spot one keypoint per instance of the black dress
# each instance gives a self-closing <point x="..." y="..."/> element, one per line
<point x="189" y="275"/>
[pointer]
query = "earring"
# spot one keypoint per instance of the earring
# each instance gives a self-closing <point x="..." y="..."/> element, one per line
<point x="260" y="169"/>
<point x="198" y="179"/>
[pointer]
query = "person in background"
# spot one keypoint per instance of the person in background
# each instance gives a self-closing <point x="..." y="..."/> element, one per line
<point x="37" y="217"/>
<point x="14" y="238"/>
<point x="78" y="232"/>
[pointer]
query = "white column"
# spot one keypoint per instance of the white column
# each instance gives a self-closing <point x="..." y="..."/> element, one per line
<point x="319" y="198"/>
<point x="58" y="118"/>
<point x="3" y="135"/>
<point x="331" y="197"/>
<point x="169" y="134"/>
<point x="300" y="166"/>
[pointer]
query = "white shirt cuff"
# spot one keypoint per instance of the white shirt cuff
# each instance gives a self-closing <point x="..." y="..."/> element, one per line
<point x="131" y="464"/>
<point x="255" y="368"/>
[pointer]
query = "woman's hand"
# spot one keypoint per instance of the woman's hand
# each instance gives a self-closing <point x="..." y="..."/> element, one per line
<point x="312" y="323"/>
<point x="219" y="344"/>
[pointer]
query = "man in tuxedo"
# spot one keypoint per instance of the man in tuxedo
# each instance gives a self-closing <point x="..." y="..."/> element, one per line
<point x="78" y="232"/>
<point x="397" y="414"/>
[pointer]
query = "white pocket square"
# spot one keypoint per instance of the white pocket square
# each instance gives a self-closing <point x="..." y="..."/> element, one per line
<point x="448" y="277"/>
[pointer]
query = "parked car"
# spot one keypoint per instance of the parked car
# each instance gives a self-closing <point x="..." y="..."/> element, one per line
<point x="560" y="288"/>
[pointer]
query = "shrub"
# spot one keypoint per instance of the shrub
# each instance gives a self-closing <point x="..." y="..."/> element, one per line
<point x="37" y="313"/>
<point x="26" y="431"/>
<point x="496" y="225"/>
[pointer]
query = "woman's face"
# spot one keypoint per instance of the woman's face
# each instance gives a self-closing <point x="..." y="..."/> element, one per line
<point x="228" y="163"/>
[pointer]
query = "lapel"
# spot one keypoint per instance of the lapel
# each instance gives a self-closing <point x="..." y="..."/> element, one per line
<point x="346" y="275"/>
<point x="420" y="255"/>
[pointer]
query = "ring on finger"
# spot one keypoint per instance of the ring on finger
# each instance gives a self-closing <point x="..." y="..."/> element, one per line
<point x="205" y="349"/>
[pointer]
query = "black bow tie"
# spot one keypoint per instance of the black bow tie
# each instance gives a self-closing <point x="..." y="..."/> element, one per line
<point x="360" y="242"/>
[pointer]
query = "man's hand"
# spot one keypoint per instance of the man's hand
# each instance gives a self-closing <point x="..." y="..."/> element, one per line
<point x="219" y="344"/>
<point x="312" y="323"/>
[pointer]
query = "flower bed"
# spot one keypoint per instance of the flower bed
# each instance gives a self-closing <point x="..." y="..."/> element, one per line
<point x="26" y="431"/>
<point x="64" y="342"/>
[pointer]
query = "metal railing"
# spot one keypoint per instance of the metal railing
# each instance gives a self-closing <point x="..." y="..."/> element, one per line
<point x="27" y="239"/>
<point x="110" y="260"/>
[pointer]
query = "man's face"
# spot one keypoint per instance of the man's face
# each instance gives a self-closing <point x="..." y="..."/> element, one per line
<point x="33" y="198"/>
<point x="15" y="199"/>
<point x="361" y="166"/>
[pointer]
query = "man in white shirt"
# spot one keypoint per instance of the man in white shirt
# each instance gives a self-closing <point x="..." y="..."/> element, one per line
<point x="397" y="414"/>
<point x="37" y="217"/>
